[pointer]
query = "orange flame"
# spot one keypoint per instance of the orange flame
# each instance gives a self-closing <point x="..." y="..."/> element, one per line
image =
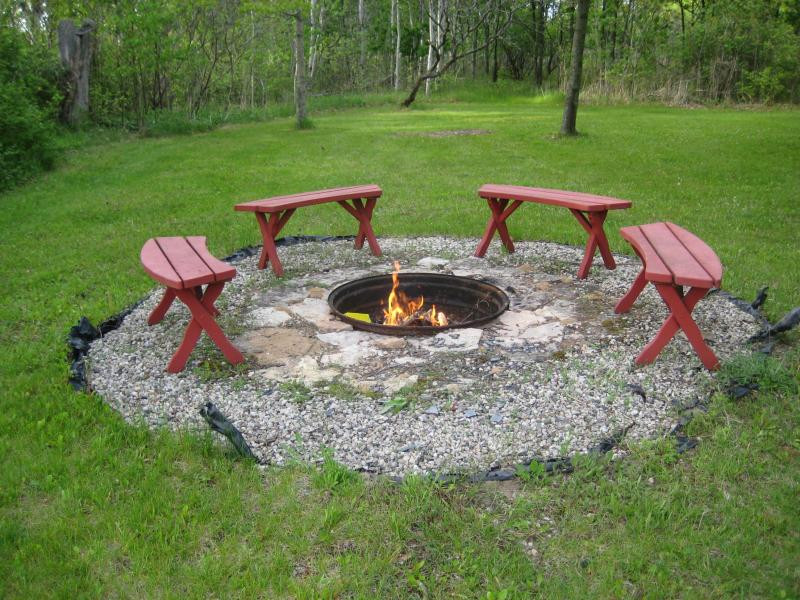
<point x="402" y="310"/>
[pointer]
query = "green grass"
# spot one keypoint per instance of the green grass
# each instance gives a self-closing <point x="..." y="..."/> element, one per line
<point x="91" y="506"/>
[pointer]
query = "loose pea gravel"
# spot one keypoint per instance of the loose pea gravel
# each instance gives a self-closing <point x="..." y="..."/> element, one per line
<point x="548" y="379"/>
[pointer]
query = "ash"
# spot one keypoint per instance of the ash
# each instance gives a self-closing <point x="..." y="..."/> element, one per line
<point x="549" y="378"/>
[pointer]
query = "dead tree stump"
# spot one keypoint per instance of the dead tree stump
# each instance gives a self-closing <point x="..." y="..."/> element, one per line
<point x="75" y="47"/>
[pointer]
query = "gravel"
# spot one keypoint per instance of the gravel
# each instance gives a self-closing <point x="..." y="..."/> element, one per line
<point x="550" y="378"/>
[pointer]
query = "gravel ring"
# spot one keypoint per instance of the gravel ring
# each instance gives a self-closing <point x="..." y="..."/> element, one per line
<point x="548" y="408"/>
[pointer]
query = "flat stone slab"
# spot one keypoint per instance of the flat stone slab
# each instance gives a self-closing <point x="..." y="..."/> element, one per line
<point x="551" y="376"/>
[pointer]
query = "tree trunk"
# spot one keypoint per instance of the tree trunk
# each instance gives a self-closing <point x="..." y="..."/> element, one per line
<point x="474" y="52"/>
<point x="540" y="23"/>
<point x="574" y="87"/>
<point x="496" y="41"/>
<point x="397" y="55"/>
<point x="312" y="59"/>
<point x="300" y="72"/>
<point x="362" y="37"/>
<point x="75" y="47"/>
<point x="432" y="38"/>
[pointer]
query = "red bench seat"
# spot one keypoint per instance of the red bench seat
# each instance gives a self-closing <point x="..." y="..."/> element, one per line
<point x="590" y="211"/>
<point x="671" y="259"/>
<point x="184" y="266"/>
<point x="281" y="208"/>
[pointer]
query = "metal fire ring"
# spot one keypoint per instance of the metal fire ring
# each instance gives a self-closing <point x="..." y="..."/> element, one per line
<point x="481" y="301"/>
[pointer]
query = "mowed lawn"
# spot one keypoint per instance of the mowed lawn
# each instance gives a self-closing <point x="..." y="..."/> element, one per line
<point x="90" y="506"/>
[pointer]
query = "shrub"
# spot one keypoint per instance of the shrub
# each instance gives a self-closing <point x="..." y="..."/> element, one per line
<point x="29" y="101"/>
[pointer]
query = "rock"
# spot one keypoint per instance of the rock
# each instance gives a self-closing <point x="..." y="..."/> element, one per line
<point x="394" y="384"/>
<point x="317" y="292"/>
<point x="391" y="343"/>
<point x="432" y="261"/>
<point x="309" y="371"/>
<point x="542" y="286"/>
<point x="496" y="418"/>
<point x="543" y="333"/>
<point x="318" y="313"/>
<point x="275" y="346"/>
<point x="409" y="447"/>
<point x="347" y="339"/>
<point x="432" y="410"/>
<point x="470" y="413"/>
<point x="454" y="340"/>
<point x="266" y="316"/>
<point x="525" y="268"/>
<point x="593" y="296"/>
<point x="520" y="319"/>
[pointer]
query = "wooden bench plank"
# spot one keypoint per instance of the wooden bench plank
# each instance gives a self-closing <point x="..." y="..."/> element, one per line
<point x="187" y="264"/>
<point x="222" y="271"/>
<point x="686" y="270"/>
<point x="157" y="266"/>
<point x="701" y="251"/>
<point x="654" y="267"/>
<point x="575" y="200"/>
<point x="279" y="203"/>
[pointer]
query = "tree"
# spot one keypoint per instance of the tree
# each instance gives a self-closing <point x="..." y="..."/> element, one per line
<point x="574" y="83"/>
<point x="75" y="46"/>
<point x="458" y="42"/>
<point x="300" y="85"/>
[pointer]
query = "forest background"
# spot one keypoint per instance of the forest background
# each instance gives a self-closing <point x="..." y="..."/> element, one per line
<point x="158" y="66"/>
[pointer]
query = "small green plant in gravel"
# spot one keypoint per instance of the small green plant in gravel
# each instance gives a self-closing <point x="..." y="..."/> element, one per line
<point x="296" y="390"/>
<point x="214" y="368"/>
<point x="405" y="397"/>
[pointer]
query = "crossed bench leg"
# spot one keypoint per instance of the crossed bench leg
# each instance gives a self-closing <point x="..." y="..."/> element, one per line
<point x="592" y="222"/>
<point x="271" y="227"/>
<point x="201" y="305"/>
<point x="680" y="306"/>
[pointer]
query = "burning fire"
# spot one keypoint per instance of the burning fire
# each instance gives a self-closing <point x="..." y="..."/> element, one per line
<point x="403" y="310"/>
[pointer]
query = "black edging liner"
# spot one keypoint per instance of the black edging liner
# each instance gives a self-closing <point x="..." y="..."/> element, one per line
<point x="84" y="333"/>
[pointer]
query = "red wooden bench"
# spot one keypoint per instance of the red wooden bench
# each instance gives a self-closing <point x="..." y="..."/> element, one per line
<point x="673" y="258"/>
<point x="280" y="208"/>
<point x="588" y="209"/>
<point x="184" y="265"/>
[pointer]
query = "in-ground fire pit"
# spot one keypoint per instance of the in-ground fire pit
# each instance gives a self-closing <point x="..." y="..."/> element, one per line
<point x="416" y="303"/>
<point x="550" y="376"/>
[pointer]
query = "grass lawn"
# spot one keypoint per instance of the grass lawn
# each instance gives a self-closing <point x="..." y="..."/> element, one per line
<point x="91" y="506"/>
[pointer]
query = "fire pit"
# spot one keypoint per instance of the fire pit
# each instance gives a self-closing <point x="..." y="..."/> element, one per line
<point x="416" y="303"/>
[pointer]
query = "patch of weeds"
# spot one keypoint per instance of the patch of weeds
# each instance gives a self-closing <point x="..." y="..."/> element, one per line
<point x="213" y="368"/>
<point x="331" y="474"/>
<point x="297" y="391"/>
<point x="765" y="372"/>
<point x="405" y="397"/>
<point x="533" y="472"/>
<point x="614" y="325"/>
<point x="317" y="284"/>
<point x="343" y="390"/>
<point x="304" y="124"/>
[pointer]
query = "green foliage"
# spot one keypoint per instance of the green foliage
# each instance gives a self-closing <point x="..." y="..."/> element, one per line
<point x="770" y="374"/>
<point x="296" y="390"/>
<point x="28" y="104"/>
<point x="332" y="475"/>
